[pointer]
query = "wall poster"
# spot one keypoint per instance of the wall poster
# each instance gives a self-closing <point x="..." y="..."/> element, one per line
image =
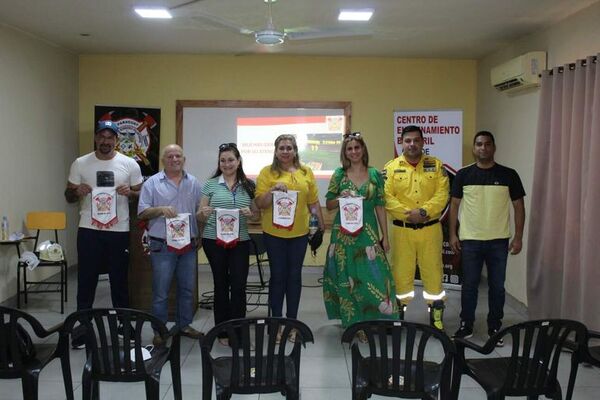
<point x="443" y="136"/>
<point x="139" y="133"/>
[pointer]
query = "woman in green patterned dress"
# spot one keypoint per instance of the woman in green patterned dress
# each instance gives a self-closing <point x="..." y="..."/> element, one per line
<point x="357" y="280"/>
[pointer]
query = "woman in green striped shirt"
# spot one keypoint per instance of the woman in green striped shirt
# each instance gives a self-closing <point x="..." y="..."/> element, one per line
<point x="228" y="188"/>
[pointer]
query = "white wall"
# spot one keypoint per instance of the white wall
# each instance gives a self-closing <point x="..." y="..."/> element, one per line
<point x="38" y="133"/>
<point x="513" y="118"/>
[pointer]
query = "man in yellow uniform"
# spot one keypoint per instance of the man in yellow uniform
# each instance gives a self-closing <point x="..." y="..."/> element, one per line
<point x="416" y="193"/>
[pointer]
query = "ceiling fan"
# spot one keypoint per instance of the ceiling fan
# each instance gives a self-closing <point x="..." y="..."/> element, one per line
<point x="268" y="35"/>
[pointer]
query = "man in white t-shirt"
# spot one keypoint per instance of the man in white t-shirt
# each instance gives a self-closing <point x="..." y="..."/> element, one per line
<point x="102" y="182"/>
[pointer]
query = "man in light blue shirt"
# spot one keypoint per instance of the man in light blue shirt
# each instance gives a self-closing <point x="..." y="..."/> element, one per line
<point x="165" y="195"/>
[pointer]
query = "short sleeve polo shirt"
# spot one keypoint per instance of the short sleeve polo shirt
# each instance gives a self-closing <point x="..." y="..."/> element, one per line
<point x="486" y="195"/>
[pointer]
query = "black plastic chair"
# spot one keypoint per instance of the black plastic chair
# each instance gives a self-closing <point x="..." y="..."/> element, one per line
<point x="531" y="368"/>
<point x="255" y="362"/>
<point x="120" y="359"/>
<point x="591" y="355"/>
<point x="14" y="364"/>
<point x="402" y="359"/>
<point x="260" y="288"/>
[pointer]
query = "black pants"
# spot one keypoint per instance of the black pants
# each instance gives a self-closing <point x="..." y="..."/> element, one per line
<point x="230" y="272"/>
<point x="97" y="250"/>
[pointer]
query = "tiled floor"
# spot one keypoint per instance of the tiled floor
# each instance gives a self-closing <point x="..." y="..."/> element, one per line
<point x="325" y="364"/>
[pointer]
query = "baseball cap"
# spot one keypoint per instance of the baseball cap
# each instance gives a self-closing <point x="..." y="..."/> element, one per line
<point x="102" y="125"/>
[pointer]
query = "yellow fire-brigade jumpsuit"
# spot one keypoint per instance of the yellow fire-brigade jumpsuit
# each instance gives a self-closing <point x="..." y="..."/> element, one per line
<point x="406" y="188"/>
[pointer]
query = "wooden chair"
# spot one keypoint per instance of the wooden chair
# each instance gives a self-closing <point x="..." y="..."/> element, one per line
<point x="40" y="221"/>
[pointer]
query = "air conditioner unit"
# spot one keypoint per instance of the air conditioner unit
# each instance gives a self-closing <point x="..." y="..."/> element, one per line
<point x="520" y="72"/>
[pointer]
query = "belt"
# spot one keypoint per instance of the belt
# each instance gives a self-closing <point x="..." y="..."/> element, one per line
<point x="403" y="224"/>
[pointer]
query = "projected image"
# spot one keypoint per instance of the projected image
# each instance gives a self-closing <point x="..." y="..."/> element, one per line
<point x="319" y="139"/>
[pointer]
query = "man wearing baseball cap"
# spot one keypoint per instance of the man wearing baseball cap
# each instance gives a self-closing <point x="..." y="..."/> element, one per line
<point x="102" y="182"/>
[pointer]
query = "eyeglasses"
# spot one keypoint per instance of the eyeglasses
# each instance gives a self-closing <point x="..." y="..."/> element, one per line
<point x="353" y="135"/>
<point x="226" y="146"/>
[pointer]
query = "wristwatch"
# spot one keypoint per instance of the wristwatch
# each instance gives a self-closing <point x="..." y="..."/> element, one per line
<point x="422" y="212"/>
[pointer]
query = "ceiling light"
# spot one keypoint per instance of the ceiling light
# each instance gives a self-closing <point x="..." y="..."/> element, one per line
<point x="269" y="37"/>
<point x="153" y="13"/>
<point x="355" y="15"/>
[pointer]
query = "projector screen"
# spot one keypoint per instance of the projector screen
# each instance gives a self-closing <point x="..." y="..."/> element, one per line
<point x="318" y="137"/>
<point x="203" y="125"/>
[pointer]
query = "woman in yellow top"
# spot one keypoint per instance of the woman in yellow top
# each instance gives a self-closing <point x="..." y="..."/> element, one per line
<point x="286" y="246"/>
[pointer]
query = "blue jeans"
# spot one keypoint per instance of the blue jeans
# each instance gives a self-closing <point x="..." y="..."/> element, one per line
<point x="286" y="257"/>
<point x="184" y="266"/>
<point x="474" y="253"/>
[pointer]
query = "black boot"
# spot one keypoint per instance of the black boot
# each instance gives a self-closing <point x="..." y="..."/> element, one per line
<point x="436" y="314"/>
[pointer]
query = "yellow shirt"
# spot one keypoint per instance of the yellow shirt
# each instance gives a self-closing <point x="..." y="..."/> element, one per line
<point x="306" y="185"/>
<point x="424" y="186"/>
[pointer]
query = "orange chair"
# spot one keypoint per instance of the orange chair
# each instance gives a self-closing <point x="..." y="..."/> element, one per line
<point x="40" y="221"/>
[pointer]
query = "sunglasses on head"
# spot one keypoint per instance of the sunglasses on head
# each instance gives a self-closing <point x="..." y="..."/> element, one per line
<point x="226" y="146"/>
<point x="352" y="135"/>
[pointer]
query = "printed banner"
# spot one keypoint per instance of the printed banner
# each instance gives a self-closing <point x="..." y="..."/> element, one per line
<point x="104" y="207"/>
<point x="351" y="215"/>
<point x="284" y="208"/>
<point x="179" y="239"/>
<point x="139" y="133"/>
<point x="228" y="227"/>
<point x="443" y="136"/>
